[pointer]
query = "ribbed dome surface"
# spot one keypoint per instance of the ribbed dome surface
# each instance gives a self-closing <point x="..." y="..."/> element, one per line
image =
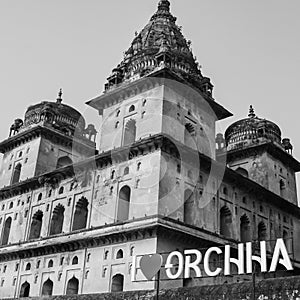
<point x="251" y="130"/>
<point x="60" y="116"/>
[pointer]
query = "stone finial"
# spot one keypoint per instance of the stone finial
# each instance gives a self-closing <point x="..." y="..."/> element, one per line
<point x="59" y="98"/>
<point x="251" y="112"/>
<point x="164" y="5"/>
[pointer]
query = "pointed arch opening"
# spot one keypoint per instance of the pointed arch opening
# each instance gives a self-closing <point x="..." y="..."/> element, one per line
<point x="75" y="260"/>
<point x="57" y="220"/>
<point x="188" y="206"/>
<point x="72" y="286"/>
<point x="63" y="162"/>
<point x="129" y="133"/>
<point x="242" y="172"/>
<point x="25" y="290"/>
<point x="124" y="203"/>
<point x="120" y="254"/>
<point x="262" y="231"/>
<point x="36" y="225"/>
<point x="81" y="214"/>
<point x="117" y="284"/>
<point x="6" y="231"/>
<point x="189" y="135"/>
<point x="47" y="288"/>
<point x="16" y="173"/>
<point x="245" y="230"/>
<point x="225" y="221"/>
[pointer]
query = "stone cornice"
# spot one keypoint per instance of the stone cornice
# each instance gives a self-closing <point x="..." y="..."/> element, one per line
<point x="154" y="79"/>
<point x="270" y="147"/>
<point x="48" y="132"/>
<point x="133" y="230"/>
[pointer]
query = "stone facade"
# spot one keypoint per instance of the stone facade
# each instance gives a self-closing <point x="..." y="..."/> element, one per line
<point x="72" y="218"/>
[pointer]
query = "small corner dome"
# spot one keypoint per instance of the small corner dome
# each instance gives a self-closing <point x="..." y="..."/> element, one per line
<point x="251" y="130"/>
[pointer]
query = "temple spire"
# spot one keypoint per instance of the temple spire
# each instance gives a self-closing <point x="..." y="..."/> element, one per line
<point x="251" y="112"/>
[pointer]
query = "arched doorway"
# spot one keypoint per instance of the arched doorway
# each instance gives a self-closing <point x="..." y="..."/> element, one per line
<point x="124" y="203"/>
<point x="225" y="221"/>
<point x="245" y="230"/>
<point x="25" y="290"/>
<point x="129" y="133"/>
<point x="262" y="231"/>
<point x="57" y="220"/>
<point x="72" y="286"/>
<point x="36" y="225"/>
<point x="117" y="283"/>
<point x="47" y="288"/>
<point x="81" y="214"/>
<point x="6" y="231"/>
<point x="188" y="206"/>
<point x="16" y="174"/>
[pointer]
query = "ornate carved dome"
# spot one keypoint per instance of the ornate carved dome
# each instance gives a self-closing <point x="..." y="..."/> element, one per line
<point x="252" y="130"/>
<point x="160" y="44"/>
<point x="56" y="114"/>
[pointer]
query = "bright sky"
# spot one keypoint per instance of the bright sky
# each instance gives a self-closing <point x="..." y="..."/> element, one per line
<point x="250" y="49"/>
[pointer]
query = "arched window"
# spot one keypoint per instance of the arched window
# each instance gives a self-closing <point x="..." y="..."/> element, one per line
<point x="81" y="214"/>
<point x="132" y="251"/>
<point x="64" y="161"/>
<point x="75" y="260"/>
<point x="36" y="225"/>
<point x="189" y="135"/>
<point x="40" y="196"/>
<point x="106" y="254"/>
<point x="245" y="230"/>
<point x="61" y="190"/>
<point x="47" y="288"/>
<point x="25" y="290"/>
<point x="129" y="133"/>
<point x="57" y="220"/>
<point x="242" y="172"/>
<point x="50" y="263"/>
<point x="225" y="190"/>
<point x="112" y="176"/>
<point x="123" y="203"/>
<point x="188" y="206"/>
<point x="50" y="193"/>
<point x="38" y="264"/>
<point x="118" y="113"/>
<point x="131" y="108"/>
<point x="126" y="171"/>
<point x="117" y="284"/>
<point x="282" y="187"/>
<point x="120" y="254"/>
<point x="16" y="174"/>
<point x="72" y="286"/>
<point x="6" y="231"/>
<point x="28" y="267"/>
<point x="262" y="231"/>
<point x="225" y="221"/>
<point x="11" y="205"/>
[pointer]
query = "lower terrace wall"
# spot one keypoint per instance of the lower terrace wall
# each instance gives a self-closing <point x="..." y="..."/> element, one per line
<point x="286" y="288"/>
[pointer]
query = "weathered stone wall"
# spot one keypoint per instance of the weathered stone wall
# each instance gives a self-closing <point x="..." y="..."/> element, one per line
<point x="281" y="288"/>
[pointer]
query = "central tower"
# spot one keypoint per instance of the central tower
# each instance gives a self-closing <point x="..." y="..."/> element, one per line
<point x="158" y="88"/>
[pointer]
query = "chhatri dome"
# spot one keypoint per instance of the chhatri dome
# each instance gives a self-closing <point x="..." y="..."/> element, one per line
<point x="158" y="45"/>
<point x="252" y="131"/>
